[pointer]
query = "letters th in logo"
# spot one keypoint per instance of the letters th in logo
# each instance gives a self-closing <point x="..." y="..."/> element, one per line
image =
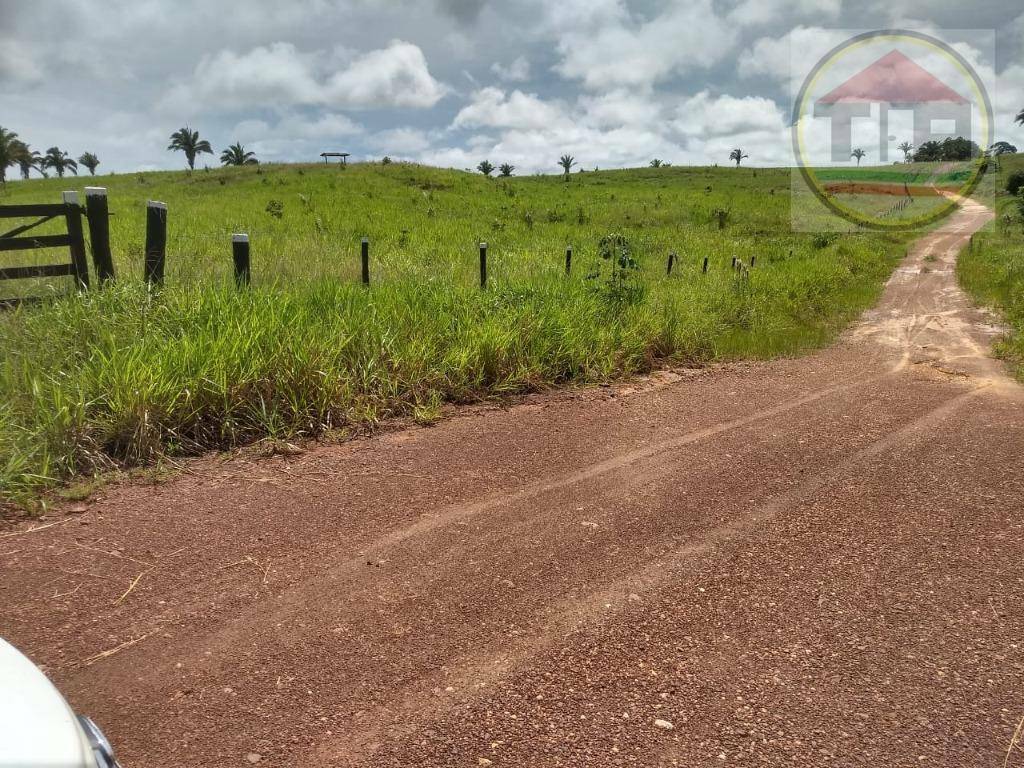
<point x="893" y="82"/>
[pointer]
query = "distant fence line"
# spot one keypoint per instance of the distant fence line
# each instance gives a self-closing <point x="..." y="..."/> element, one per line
<point x="97" y="214"/>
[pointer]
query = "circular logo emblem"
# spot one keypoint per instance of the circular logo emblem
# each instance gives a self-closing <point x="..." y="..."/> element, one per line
<point x="879" y="88"/>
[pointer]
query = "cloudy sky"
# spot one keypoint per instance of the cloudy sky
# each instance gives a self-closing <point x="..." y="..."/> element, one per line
<point x="447" y="82"/>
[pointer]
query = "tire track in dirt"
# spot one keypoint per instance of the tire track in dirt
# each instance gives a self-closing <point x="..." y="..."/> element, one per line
<point x="299" y="639"/>
<point x="486" y="666"/>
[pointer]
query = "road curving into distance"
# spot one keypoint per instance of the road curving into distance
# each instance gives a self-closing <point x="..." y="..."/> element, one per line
<point x="808" y="562"/>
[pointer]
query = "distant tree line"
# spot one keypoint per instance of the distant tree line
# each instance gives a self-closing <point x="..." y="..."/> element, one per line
<point x="947" y="150"/>
<point x="14" y="151"/>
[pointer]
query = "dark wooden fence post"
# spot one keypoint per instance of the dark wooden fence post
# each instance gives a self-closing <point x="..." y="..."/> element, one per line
<point x="73" y="217"/>
<point x="240" y="254"/>
<point x="752" y="260"/>
<point x="483" y="265"/>
<point x="734" y="262"/>
<point x="98" y="214"/>
<point x="365" y="256"/>
<point x="568" y="259"/>
<point x="156" y="242"/>
<point x="671" y="262"/>
<point x="704" y="267"/>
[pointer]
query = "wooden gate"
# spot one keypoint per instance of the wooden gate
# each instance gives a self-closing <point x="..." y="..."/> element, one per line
<point x="73" y="239"/>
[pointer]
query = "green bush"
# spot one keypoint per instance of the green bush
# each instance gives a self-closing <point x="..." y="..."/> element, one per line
<point x="1015" y="182"/>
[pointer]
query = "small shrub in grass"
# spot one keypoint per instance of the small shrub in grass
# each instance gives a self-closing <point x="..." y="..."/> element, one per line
<point x="617" y="280"/>
<point x="275" y="208"/>
<point x="1015" y="182"/>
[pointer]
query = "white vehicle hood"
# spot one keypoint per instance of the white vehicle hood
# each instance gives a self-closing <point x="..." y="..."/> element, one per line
<point x="37" y="727"/>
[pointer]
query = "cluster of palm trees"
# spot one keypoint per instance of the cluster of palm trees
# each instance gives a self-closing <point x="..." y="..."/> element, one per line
<point x="186" y="140"/>
<point x="486" y="167"/>
<point x="14" y="151"/>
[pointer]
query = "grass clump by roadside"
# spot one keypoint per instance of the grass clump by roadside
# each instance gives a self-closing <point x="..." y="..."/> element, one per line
<point x="120" y="377"/>
<point x="992" y="271"/>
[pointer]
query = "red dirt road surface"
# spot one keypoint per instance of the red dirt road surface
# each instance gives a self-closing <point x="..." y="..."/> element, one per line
<point x="806" y="562"/>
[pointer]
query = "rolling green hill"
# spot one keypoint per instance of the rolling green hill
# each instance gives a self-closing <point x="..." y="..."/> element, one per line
<point x="121" y="377"/>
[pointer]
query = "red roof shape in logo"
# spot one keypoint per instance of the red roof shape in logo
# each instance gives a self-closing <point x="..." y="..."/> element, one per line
<point x="895" y="79"/>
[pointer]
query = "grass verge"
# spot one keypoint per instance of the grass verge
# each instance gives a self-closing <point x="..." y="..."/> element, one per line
<point x="992" y="271"/>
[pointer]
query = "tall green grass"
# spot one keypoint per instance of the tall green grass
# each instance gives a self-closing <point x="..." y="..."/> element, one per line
<point x="992" y="271"/>
<point x="121" y="377"/>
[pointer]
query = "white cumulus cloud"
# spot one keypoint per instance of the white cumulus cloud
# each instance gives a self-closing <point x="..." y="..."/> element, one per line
<point x="706" y="115"/>
<point x="616" y="49"/>
<point x="395" y="76"/>
<point x="493" y="108"/>
<point x="280" y="74"/>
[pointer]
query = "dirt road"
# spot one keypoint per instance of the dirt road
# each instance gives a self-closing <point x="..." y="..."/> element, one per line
<point x="807" y="562"/>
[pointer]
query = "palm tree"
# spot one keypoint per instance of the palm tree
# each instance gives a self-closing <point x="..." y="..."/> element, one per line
<point x="90" y="161"/>
<point x="1019" y="118"/>
<point x="9" y="151"/>
<point x="186" y="140"/>
<point x="567" y="162"/>
<point x="737" y="156"/>
<point x="236" y="155"/>
<point x="905" y="148"/>
<point x="505" y="169"/>
<point x="858" y="153"/>
<point x="485" y="167"/>
<point x="656" y="163"/>
<point x="60" y="161"/>
<point x="27" y="159"/>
